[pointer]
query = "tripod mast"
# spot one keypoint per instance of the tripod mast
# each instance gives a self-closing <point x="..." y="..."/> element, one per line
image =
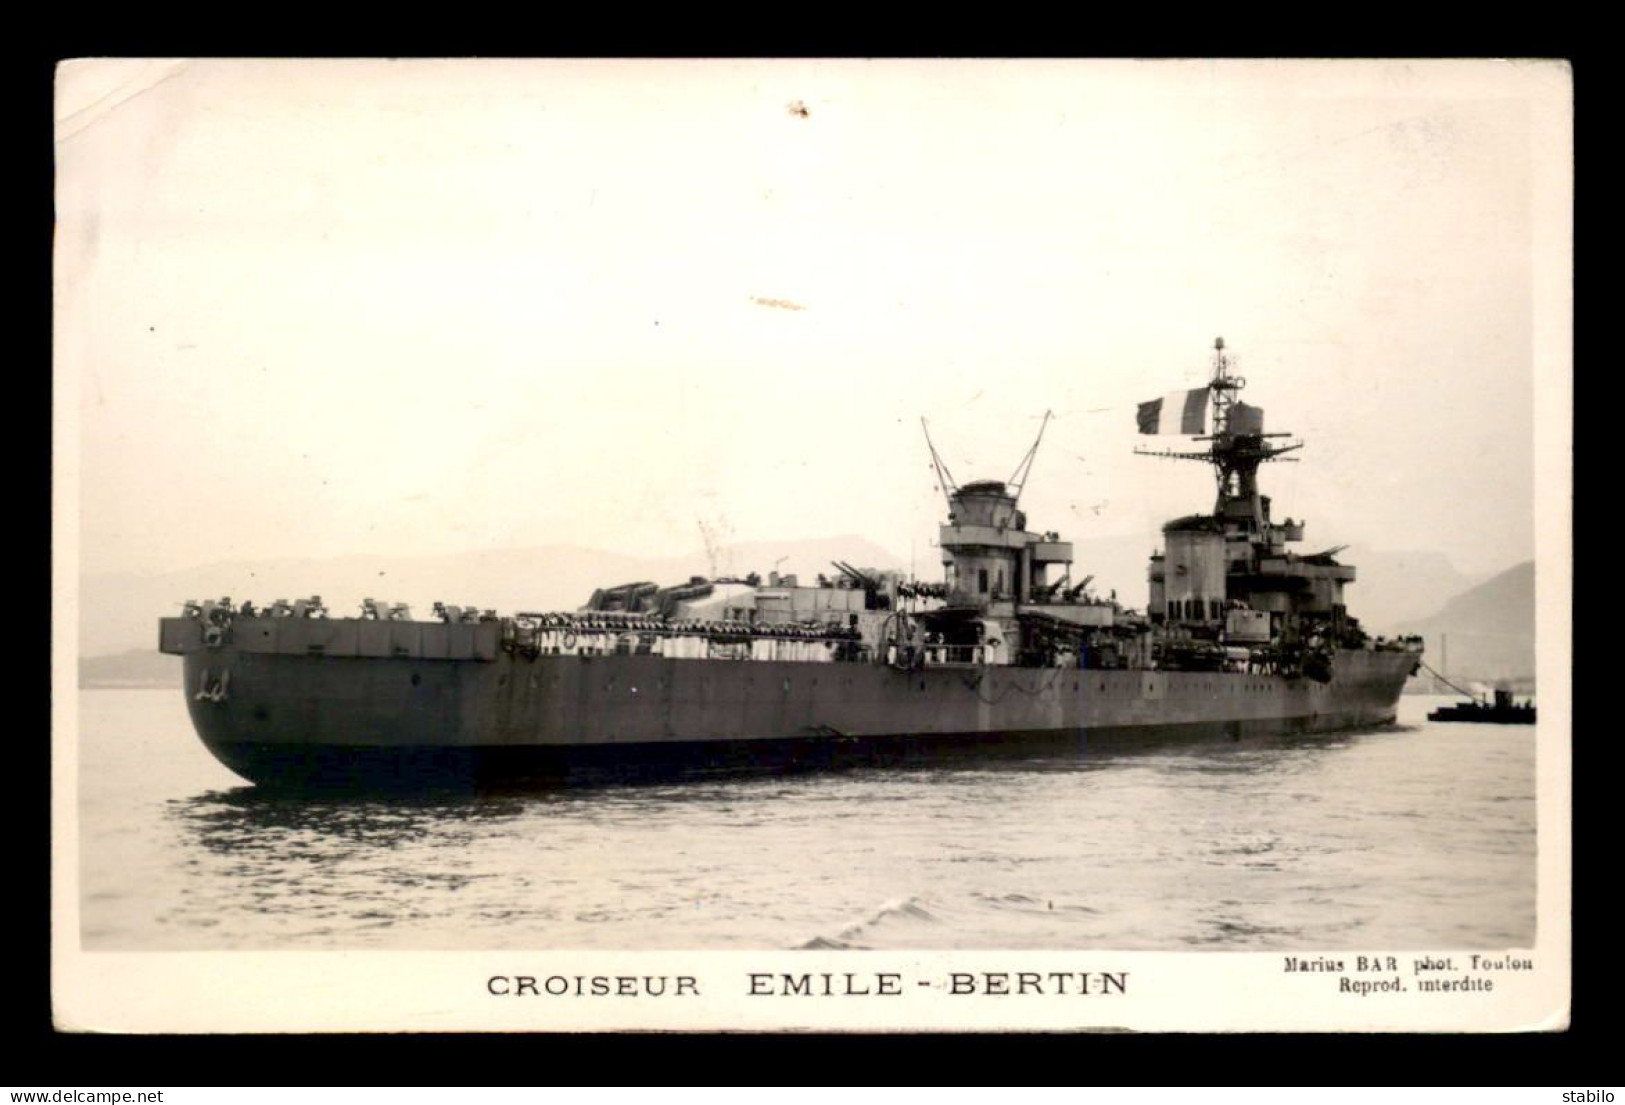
<point x="1236" y="447"/>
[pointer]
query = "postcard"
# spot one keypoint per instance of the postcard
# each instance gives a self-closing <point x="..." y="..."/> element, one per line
<point x="801" y="545"/>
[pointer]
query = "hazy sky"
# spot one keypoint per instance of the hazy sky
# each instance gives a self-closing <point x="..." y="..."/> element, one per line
<point x="320" y="308"/>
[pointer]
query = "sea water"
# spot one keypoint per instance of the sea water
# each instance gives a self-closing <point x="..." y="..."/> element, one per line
<point x="1420" y="835"/>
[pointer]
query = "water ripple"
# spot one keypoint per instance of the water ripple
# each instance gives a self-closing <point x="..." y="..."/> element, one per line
<point x="1395" y="838"/>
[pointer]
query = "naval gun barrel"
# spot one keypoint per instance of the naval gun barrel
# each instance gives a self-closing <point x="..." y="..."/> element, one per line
<point x="867" y="582"/>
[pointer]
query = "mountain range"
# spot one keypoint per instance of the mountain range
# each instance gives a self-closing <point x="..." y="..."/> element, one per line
<point x="1486" y="634"/>
<point x="1489" y="622"/>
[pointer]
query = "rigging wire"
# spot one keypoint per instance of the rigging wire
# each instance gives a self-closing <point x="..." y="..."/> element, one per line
<point x="1470" y="694"/>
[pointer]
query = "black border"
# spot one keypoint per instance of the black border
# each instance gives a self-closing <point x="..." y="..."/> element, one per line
<point x="42" y="1058"/>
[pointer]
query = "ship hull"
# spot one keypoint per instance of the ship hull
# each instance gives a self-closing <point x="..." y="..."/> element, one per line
<point x="281" y="718"/>
<point x="307" y="765"/>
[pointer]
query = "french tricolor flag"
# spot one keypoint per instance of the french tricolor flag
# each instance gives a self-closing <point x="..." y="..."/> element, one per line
<point x="1178" y="412"/>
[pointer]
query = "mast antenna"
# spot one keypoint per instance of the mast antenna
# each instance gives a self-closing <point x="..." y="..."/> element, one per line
<point x="944" y="477"/>
<point x="1235" y="456"/>
<point x="1224" y="387"/>
<point x="1018" y="478"/>
<point x="713" y="547"/>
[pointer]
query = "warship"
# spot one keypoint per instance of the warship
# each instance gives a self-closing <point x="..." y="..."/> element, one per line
<point x="1240" y="639"/>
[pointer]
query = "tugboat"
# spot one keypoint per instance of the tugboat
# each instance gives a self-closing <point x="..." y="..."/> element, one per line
<point x="1240" y="639"/>
<point x="1503" y="711"/>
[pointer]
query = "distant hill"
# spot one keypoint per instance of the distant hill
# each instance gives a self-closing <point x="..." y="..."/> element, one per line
<point x="1395" y="590"/>
<point x="118" y="613"/>
<point x="135" y="668"/>
<point x="1486" y="634"/>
